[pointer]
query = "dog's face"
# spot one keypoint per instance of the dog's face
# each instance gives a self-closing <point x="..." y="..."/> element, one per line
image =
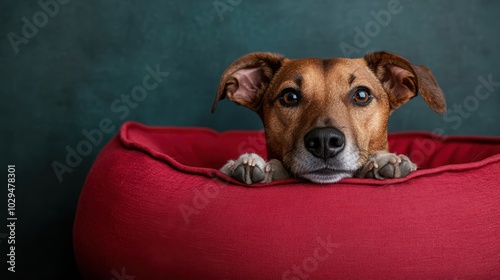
<point x="323" y="118"/>
<point x="338" y="99"/>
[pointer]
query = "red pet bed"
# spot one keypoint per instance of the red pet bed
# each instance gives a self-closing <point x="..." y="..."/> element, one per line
<point x="154" y="206"/>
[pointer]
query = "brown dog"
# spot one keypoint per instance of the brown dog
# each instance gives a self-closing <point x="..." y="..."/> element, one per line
<point x="325" y="119"/>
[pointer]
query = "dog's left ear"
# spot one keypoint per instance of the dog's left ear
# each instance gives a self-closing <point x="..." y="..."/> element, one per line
<point x="403" y="81"/>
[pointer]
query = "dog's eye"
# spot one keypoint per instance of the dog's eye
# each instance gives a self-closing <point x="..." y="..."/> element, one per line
<point x="362" y="96"/>
<point x="289" y="98"/>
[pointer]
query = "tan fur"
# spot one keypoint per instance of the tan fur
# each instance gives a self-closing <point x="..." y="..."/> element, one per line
<point x="327" y="100"/>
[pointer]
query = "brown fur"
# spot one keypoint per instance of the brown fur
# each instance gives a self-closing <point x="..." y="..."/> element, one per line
<point x="326" y="87"/>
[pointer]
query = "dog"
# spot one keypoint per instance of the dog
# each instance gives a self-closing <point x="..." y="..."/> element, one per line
<point x="325" y="119"/>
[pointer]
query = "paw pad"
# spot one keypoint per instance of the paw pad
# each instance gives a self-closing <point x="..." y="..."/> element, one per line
<point x="387" y="165"/>
<point x="251" y="168"/>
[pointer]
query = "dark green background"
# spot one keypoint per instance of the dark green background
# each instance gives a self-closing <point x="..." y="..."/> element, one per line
<point x="67" y="76"/>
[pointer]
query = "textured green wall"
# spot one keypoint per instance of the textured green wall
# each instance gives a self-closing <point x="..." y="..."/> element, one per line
<point x="70" y="74"/>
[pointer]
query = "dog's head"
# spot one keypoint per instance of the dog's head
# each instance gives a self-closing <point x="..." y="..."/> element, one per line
<point x="323" y="117"/>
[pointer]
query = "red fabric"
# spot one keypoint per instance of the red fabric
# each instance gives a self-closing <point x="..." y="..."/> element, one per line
<point x="155" y="207"/>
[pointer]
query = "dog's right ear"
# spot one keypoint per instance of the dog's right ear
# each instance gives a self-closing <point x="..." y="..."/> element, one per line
<point x="246" y="79"/>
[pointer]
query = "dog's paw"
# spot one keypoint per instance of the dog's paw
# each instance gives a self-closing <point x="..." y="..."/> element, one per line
<point x="384" y="165"/>
<point x="251" y="168"/>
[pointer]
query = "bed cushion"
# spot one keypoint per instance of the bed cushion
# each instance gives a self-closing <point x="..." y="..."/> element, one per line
<point x="154" y="206"/>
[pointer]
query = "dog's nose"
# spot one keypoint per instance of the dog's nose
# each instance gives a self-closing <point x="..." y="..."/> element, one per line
<point x="324" y="142"/>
